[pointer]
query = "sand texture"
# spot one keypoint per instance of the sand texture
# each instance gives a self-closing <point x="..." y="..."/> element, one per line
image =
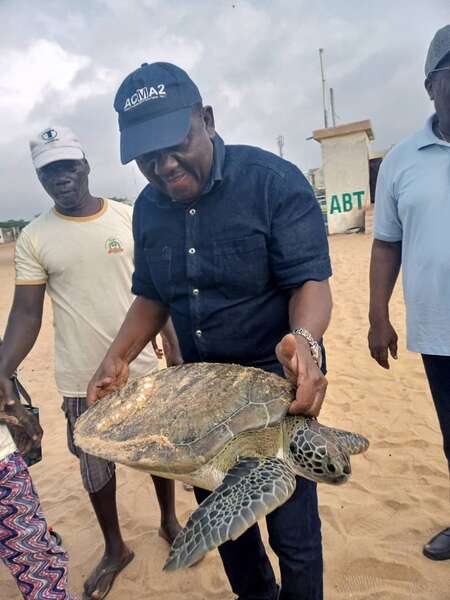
<point x="373" y="527"/>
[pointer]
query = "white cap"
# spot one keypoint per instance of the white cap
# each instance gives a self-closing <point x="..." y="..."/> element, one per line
<point x="55" y="143"/>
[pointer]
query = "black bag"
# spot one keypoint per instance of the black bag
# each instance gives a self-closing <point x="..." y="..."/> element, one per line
<point x="34" y="455"/>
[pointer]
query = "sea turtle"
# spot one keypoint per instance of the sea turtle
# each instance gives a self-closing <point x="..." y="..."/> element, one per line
<point x="221" y="427"/>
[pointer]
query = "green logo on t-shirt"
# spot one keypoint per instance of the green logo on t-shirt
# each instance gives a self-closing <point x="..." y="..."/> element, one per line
<point x="113" y="246"/>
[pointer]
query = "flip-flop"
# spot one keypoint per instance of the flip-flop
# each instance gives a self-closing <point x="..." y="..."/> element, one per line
<point x="115" y="569"/>
<point x="56" y="537"/>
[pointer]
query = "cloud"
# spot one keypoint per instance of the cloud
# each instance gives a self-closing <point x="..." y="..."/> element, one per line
<point x="41" y="73"/>
<point x="257" y="64"/>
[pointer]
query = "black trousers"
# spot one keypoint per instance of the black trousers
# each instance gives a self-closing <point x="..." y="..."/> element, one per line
<point x="295" y="537"/>
<point x="437" y="369"/>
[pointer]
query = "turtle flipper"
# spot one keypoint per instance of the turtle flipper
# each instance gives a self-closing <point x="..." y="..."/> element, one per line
<point x="354" y="443"/>
<point x="251" y="489"/>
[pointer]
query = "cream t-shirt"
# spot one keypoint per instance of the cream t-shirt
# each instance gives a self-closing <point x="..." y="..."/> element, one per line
<point x="7" y="445"/>
<point x="86" y="264"/>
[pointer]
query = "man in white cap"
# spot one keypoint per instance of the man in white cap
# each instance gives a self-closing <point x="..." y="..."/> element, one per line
<point x="412" y="218"/>
<point x="81" y="251"/>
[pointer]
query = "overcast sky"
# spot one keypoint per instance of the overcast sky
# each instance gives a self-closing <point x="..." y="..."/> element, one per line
<point x="255" y="61"/>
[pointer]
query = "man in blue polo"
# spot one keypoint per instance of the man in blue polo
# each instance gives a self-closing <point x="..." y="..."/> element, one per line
<point x="229" y="240"/>
<point x="411" y="229"/>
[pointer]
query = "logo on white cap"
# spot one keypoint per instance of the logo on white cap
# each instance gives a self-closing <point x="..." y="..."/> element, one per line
<point x="49" y="135"/>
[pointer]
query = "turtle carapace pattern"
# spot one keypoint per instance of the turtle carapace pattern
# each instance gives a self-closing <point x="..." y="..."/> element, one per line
<point x="224" y="428"/>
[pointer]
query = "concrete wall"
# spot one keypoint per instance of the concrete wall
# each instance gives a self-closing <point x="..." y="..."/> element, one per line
<point x="345" y="160"/>
<point x="9" y="235"/>
<point x="316" y="179"/>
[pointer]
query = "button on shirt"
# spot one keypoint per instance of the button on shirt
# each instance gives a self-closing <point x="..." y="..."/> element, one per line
<point x="225" y="263"/>
<point x="412" y="205"/>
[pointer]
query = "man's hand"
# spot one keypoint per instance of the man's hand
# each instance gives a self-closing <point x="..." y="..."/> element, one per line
<point x="111" y="375"/>
<point x="24" y="426"/>
<point x="171" y="351"/>
<point x="382" y="337"/>
<point x="301" y="369"/>
<point x="158" y="351"/>
<point x="7" y="396"/>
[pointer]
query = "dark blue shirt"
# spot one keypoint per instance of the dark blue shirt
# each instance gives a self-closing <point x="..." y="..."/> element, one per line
<point x="226" y="263"/>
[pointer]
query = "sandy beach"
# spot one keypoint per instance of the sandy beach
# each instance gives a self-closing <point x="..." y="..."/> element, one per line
<point x="373" y="527"/>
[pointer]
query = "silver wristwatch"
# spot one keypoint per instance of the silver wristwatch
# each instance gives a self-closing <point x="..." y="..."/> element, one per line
<point x="314" y="346"/>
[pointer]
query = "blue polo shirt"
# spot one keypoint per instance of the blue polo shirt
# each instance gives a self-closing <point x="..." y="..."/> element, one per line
<point x="225" y="263"/>
<point x="412" y="206"/>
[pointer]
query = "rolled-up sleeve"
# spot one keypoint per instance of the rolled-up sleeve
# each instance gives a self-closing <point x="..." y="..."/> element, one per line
<point x="142" y="283"/>
<point x="298" y="245"/>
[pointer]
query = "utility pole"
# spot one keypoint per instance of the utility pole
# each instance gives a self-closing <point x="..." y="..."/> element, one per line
<point x="324" y="97"/>
<point x="280" y="142"/>
<point x="333" y="112"/>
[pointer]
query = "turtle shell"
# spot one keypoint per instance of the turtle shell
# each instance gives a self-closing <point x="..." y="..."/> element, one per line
<point x="177" y="419"/>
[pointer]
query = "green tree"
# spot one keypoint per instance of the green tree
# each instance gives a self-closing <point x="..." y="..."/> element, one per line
<point x="123" y="200"/>
<point x="20" y="224"/>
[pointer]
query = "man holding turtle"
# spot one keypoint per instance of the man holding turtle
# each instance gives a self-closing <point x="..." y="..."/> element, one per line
<point x="230" y="242"/>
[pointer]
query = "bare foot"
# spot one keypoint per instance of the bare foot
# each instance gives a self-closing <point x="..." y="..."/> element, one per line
<point x="101" y="580"/>
<point x="169" y="530"/>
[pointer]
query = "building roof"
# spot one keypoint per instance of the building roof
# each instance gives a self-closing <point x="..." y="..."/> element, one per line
<point x="346" y="129"/>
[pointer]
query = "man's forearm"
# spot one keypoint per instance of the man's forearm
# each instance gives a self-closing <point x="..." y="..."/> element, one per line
<point x="144" y="320"/>
<point x="385" y="265"/>
<point x="20" y="335"/>
<point x="310" y="307"/>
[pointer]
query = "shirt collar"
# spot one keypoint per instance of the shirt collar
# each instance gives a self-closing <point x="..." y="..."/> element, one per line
<point x="217" y="165"/>
<point x="427" y="137"/>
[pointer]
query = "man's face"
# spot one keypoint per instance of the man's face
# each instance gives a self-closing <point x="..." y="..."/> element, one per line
<point x="438" y="87"/>
<point x="182" y="171"/>
<point x="66" y="182"/>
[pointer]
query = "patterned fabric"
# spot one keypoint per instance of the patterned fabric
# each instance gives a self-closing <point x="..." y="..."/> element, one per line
<point x="95" y="472"/>
<point x="37" y="563"/>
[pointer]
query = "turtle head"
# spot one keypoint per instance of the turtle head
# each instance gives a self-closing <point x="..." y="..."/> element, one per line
<point x="315" y="451"/>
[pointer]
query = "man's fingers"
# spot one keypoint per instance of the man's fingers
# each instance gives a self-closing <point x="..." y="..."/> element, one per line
<point x="103" y="386"/>
<point x="290" y="374"/>
<point x="309" y="400"/>
<point x="100" y="388"/>
<point x="315" y="407"/>
<point x="9" y="419"/>
<point x="158" y="351"/>
<point x="380" y="354"/>
<point x="393" y="349"/>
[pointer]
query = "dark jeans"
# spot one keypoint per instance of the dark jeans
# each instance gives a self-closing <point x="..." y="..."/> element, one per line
<point x="294" y="535"/>
<point x="437" y="369"/>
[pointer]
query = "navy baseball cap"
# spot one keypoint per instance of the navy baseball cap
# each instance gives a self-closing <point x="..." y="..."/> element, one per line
<point x="154" y="104"/>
